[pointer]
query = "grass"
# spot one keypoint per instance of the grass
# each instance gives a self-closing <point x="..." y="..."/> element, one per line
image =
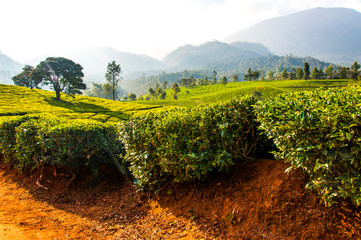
<point x="15" y="100"/>
<point x="196" y="95"/>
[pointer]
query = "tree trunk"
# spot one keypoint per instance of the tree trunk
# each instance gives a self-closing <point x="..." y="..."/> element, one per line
<point x="57" y="94"/>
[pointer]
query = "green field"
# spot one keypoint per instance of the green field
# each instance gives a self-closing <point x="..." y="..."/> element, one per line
<point x="15" y="100"/>
<point x="200" y="95"/>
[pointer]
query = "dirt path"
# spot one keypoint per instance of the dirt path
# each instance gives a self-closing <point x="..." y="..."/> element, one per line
<point x="257" y="201"/>
<point x="23" y="215"/>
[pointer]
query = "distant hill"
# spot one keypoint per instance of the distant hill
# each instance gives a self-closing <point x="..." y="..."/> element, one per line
<point x="227" y="68"/>
<point x="94" y="60"/>
<point x="330" y="34"/>
<point x="194" y="57"/>
<point x="8" y="68"/>
<point x="269" y="63"/>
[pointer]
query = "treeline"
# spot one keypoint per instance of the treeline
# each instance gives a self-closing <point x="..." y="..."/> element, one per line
<point x="228" y="68"/>
<point x="304" y="73"/>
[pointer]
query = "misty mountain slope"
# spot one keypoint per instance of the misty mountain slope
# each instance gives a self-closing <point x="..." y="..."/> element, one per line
<point x="194" y="57"/>
<point x="94" y="60"/>
<point x="253" y="47"/>
<point x="331" y="34"/>
<point x="8" y="68"/>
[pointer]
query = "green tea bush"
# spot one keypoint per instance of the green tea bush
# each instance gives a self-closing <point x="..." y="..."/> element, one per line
<point x="8" y="127"/>
<point x="320" y="132"/>
<point x="32" y="142"/>
<point x="186" y="144"/>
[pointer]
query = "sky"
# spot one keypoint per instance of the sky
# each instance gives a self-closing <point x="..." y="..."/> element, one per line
<point x="35" y="28"/>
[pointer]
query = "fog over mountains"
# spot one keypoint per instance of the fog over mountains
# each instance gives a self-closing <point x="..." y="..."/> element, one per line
<point x="329" y="34"/>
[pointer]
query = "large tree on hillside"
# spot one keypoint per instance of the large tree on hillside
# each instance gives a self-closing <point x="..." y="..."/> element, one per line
<point x="63" y="75"/>
<point x="113" y="76"/>
<point x="29" y="77"/>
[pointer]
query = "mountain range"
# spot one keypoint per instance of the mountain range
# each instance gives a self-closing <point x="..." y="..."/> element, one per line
<point x="329" y="34"/>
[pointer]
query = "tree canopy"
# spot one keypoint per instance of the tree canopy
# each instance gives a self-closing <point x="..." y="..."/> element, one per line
<point x="29" y="77"/>
<point x="63" y="75"/>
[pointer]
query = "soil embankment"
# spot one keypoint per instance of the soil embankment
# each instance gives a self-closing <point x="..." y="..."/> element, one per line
<point x="255" y="201"/>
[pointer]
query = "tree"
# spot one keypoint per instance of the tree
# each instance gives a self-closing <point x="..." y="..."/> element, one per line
<point x="206" y="81"/>
<point x="252" y="75"/>
<point x="299" y="73"/>
<point x="63" y="75"/>
<point x="29" y="77"/>
<point x="256" y="74"/>
<point x="214" y="80"/>
<point x="164" y="85"/>
<point x="235" y="77"/>
<point x="162" y="95"/>
<point x="306" y="71"/>
<point x="224" y="80"/>
<point x="176" y="90"/>
<point x="354" y="71"/>
<point x="151" y="92"/>
<point x="284" y="74"/>
<point x="248" y="75"/>
<point x="314" y="73"/>
<point x="329" y="72"/>
<point x="270" y="75"/>
<point x="113" y="76"/>
<point x="132" y="96"/>
<point x="159" y="91"/>
<point x="343" y="73"/>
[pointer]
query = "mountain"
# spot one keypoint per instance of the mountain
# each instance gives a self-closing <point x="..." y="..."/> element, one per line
<point x="94" y="60"/>
<point x="193" y="57"/>
<point x="330" y="34"/>
<point x="8" y="68"/>
<point x="264" y="64"/>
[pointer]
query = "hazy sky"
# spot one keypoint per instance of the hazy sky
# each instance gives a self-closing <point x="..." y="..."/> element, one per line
<point x="33" y="28"/>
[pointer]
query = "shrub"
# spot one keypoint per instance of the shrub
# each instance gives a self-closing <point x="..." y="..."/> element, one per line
<point x="73" y="145"/>
<point x="320" y="132"/>
<point x="185" y="144"/>
<point x="8" y="127"/>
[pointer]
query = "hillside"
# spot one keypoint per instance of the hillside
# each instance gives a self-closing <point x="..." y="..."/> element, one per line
<point x="8" y="68"/>
<point x="251" y="199"/>
<point x="226" y="68"/>
<point x="329" y="34"/>
<point x="215" y="93"/>
<point x="94" y="60"/>
<point x="194" y="57"/>
<point x="15" y="100"/>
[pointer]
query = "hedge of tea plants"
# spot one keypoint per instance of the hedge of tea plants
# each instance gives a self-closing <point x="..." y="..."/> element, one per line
<point x="320" y="132"/>
<point x="186" y="144"/>
<point x="32" y="142"/>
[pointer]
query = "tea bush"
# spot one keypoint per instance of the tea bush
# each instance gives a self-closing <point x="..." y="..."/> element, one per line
<point x="186" y="144"/>
<point x="32" y="142"/>
<point x="320" y="132"/>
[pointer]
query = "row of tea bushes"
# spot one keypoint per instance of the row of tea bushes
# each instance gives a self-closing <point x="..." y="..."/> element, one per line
<point x="32" y="142"/>
<point x="320" y="132"/>
<point x="186" y="144"/>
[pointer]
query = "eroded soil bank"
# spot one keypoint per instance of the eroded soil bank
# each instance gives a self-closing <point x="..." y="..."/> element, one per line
<point x="253" y="201"/>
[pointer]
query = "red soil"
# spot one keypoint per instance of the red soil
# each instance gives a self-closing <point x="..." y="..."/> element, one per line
<point x="254" y="201"/>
